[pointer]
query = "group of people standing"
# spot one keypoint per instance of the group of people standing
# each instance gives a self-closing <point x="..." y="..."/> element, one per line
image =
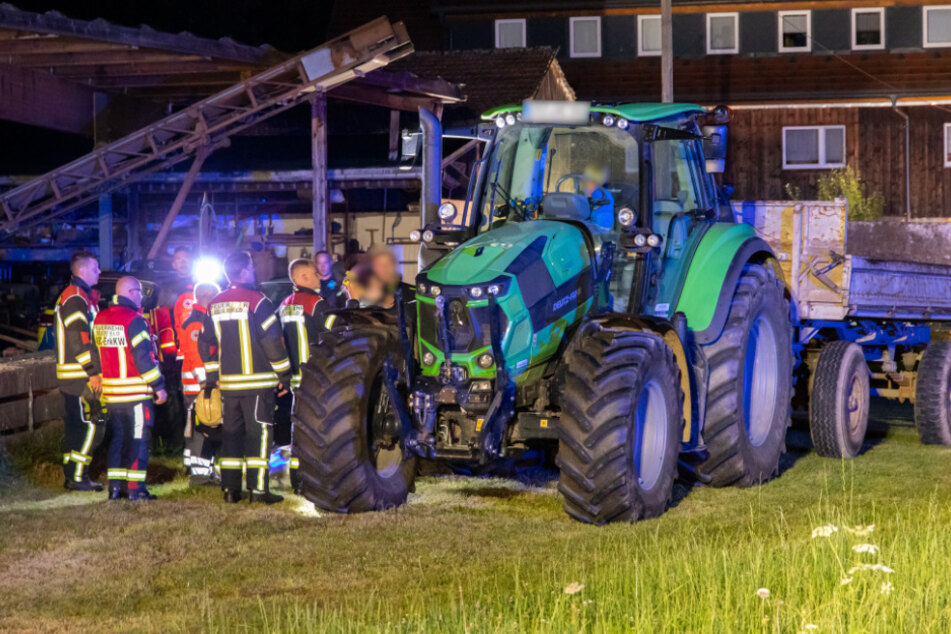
<point x="210" y="343"/>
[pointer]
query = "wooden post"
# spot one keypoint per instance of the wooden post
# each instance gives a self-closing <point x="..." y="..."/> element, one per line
<point x="159" y="243"/>
<point x="318" y="159"/>
<point x="666" y="52"/>
<point x="105" y="232"/>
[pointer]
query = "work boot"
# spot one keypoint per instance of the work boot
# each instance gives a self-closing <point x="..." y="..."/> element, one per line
<point x="118" y="493"/>
<point x="83" y="485"/>
<point x="265" y="497"/>
<point x="232" y="496"/>
<point x="142" y="494"/>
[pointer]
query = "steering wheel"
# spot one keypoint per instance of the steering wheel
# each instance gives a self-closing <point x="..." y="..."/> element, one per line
<point x="579" y="180"/>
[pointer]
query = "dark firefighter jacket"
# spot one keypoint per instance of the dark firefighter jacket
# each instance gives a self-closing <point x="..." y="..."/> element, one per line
<point x="76" y="356"/>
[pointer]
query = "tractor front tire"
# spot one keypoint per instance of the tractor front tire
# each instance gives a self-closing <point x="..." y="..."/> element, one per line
<point x="343" y="468"/>
<point x="750" y="384"/>
<point x="933" y="395"/>
<point x="838" y="405"/>
<point x="619" y="433"/>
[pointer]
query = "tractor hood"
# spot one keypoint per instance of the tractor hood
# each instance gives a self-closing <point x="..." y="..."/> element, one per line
<point x="502" y="251"/>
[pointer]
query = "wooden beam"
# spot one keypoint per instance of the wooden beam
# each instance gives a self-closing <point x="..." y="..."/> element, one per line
<point x="159" y="243"/>
<point x="318" y="155"/>
<point x="46" y="101"/>
<point x="408" y="82"/>
<point x="378" y="97"/>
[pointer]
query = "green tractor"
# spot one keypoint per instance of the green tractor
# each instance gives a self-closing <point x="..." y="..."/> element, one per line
<point x="594" y="294"/>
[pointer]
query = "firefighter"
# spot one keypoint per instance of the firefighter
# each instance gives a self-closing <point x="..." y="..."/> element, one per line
<point x="201" y="441"/>
<point x="78" y="372"/>
<point x="130" y="379"/>
<point x="299" y="319"/>
<point x="250" y="363"/>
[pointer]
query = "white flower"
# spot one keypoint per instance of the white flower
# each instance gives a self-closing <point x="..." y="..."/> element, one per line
<point x="871" y="567"/>
<point x="763" y="593"/>
<point x="861" y="531"/>
<point x="574" y="588"/>
<point x="845" y="581"/>
<point x="871" y="549"/>
<point x="824" y="531"/>
<point x="887" y="587"/>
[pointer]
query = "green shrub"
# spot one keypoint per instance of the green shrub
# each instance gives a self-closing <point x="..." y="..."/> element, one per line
<point x="847" y="183"/>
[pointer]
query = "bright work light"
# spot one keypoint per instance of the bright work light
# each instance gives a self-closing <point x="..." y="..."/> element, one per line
<point x="207" y="270"/>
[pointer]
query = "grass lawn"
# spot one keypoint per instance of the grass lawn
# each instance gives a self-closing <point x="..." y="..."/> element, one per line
<point x="491" y="555"/>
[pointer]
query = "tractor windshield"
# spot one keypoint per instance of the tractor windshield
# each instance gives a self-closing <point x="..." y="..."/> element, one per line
<point x="580" y="173"/>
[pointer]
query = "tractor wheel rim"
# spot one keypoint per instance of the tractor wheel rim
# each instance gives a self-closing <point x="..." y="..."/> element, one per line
<point x="761" y="378"/>
<point x="652" y="425"/>
<point x="386" y="460"/>
<point x="854" y="404"/>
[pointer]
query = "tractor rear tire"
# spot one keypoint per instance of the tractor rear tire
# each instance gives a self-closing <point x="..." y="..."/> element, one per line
<point x="838" y="405"/>
<point x="619" y="433"/>
<point x="341" y="391"/>
<point x="750" y="385"/>
<point x="933" y="395"/>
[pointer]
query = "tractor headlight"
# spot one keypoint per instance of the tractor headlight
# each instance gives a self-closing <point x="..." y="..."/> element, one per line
<point x="435" y="290"/>
<point x="500" y="121"/>
<point x="421" y="288"/>
<point x="429" y="358"/>
<point x="485" y="360"/>
<point x="510" y="119"/>
<point x="625" y="217"/>
<point x="653" y="240"/>
<point x="494" y="289"/>
<point x="476" y="291"/>
<point x="428" y="236"/>
<point x="447" y="211"/>
<point x="640" y="240"/>
<point x="623" y="123"/>
<point x="415" y="235"/>
<point x="608" y="120"/>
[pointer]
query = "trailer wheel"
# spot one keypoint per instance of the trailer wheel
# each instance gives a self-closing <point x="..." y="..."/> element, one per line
<point x="619" y="434"/>
<point x="750" y="389"/>
<point x="933" y="395"/>
<point x="343" y="422"/>
<point x="838" y="407"/>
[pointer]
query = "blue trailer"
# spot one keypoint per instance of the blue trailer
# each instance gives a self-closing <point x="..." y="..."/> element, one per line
<point x="863" y="326"/>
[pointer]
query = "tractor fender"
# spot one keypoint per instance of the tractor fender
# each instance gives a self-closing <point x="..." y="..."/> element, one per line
<point x="668" y="332"/>
<point x="713" y="274"/>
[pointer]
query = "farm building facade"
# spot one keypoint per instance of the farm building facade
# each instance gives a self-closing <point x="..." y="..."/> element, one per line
<point x="812" y="85"/>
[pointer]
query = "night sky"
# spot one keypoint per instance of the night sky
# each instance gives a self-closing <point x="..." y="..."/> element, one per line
<point x="289" y="25"/>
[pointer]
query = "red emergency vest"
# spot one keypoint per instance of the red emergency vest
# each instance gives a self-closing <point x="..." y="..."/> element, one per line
<point x="193" y="368"/>
<point x="130" y="373"/>
<point x="180" y="312"/>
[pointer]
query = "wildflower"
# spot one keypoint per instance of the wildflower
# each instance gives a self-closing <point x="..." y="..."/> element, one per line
<point x="824" y="531"/>
<point x="887" y="588"/>
<point x="574" y="588"/>
<point x="846" y="581"/>
<point x="861" y="531"/>
<point x="871" y="549"/>
<point x="763" y="593"/>
<point x="871" y="567"/>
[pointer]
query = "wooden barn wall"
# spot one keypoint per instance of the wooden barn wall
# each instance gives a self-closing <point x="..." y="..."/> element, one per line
<point x="874" y="144"/>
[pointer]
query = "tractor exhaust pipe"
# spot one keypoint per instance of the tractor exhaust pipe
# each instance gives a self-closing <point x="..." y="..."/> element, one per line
<point x="431" y="194"/>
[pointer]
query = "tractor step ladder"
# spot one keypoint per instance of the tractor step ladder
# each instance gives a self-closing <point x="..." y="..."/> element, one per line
<point x="203" y="126"/>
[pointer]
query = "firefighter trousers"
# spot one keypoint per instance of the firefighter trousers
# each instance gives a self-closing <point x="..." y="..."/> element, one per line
<point x="131" y="428"/>
<point x="201" y="444"/>
<point x="83" y="431"/>
<point x="246" y="438"/>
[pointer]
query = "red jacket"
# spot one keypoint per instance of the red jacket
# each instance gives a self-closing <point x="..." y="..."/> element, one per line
<point x="298" y="315"/>
<point x="130" y="373"/>
<point x="180" y="312"/>
<point x="193" y="368"/>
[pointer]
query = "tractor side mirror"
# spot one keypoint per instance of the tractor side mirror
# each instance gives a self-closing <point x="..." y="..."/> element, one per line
<point x="714" y="148"/>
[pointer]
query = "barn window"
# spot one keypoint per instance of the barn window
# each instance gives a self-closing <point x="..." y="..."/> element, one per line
<point x="723" y="33"/>
<point x="648" y="35"/>
<point x="509" y="33"/>
<point x="937" y="25"/>
<point x="947" y="144"/>
<point x="868" y="28"/>
<point x="585" y="36"/>
<point x="813" y="147"/>
<point x="795" y="29"/>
